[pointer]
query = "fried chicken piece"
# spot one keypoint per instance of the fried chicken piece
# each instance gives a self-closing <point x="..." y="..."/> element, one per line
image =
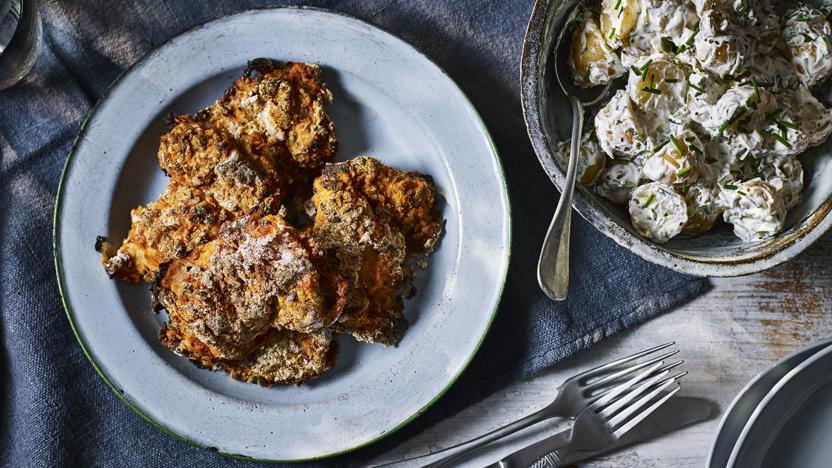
<point x="282" y="357"/>
<point x="170" y="227"/>
<point x="279" y="111"/>
<point x="209" y="158"/>
<point x="259" y="274"/>
<point x="372" y="219"/>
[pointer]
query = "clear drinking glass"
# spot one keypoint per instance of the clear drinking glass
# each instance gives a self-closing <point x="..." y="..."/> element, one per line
<point x="20" y="36"/>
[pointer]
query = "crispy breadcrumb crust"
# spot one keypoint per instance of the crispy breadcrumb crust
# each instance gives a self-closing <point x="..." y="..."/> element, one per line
<point x="258" y="275"/>
<point x="374" y="219"/>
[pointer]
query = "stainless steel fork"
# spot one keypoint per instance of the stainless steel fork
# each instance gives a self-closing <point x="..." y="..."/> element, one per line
<point x="574" y="395"/>
<point x="603" y="422"/>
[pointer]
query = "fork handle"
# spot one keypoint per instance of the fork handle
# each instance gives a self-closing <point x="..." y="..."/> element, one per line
<point x="467" y="447"/>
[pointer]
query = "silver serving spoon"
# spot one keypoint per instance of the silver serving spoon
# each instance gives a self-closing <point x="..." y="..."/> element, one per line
<point x="553" y="266"/>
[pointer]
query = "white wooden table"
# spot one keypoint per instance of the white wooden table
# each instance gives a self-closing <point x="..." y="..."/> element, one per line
<point x="737" y="329"/>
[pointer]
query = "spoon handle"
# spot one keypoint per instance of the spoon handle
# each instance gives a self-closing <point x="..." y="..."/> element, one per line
<point x="553" y="266"/>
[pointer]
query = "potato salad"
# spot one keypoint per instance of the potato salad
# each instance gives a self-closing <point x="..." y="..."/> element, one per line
<point x="717" y="99"/>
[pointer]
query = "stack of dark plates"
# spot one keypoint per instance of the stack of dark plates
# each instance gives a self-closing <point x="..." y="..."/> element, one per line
<point x="781" y="418"/>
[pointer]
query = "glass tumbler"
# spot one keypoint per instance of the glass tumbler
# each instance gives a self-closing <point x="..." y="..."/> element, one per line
<point x="20" y="38"/>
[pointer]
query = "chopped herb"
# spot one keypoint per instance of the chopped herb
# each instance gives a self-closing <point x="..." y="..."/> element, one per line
<point x="731" y="121"/>
<point x="648" y="89"/>
<point x="742" y="193"/>
<point x="619" y="162"/>
<point x="756" y="89"/>
<point x="646" y="66"/>
<point x="649" y="200"/>
<point x="772" y="116"/>
<point x="741" y="153"/>
<point x="671" y="80"/>
<point x="657" y="148"/>
<point x="729" y="186"/>
<point x="807" y="38"/>
<point x="617" y="5"/>
<point x="781" y="139"/>
<point x="586" y="75"/>
<point x="678" y="145"/>
<point x="696" y="149"/>
<point x="635" y="70"/>
<point x="692" y="37"/>
<point x="612" y="33"/>
<point x="786" y="124"/>
<point x="701" y="90"/>
<point x="681" y="172"/>
<point x="744" y="10"/>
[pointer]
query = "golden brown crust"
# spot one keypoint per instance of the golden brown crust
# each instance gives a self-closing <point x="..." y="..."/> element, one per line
<point x="170" y="227"/>
<point x="258" y="275"/>
<point x="372" y="218"/>
<point x="279" y="112"/>
<point x="282" y="357"/>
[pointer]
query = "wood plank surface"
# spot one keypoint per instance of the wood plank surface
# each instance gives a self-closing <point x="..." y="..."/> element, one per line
<point x="739" y="328"/>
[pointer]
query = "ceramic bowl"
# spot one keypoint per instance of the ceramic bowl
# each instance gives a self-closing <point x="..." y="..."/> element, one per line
<point x="716" y="253"/>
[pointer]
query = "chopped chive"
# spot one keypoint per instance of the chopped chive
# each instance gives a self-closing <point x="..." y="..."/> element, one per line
<point x="756" y="89"/>
<point x="619" y="162"/>
<point x="741" y="193"/>
<point x="771" y="116"/>
<point x="635" y="70"/>
<point x="617" y="5"/>
<point x="692" y="37"/>
<point x="729" y="186"/>
<point x="786" y="124"/>
<point x="731" y="121"/>
<point x="681" y="172"/>
<point x="701" y="90"/>
<point x="741" y="153"/>
<point x="649" y="200"/>
<point x="586" y="75"/>
<point x="648" y="89"/>
<point x="671" y="80"/>
<point x="646" y="66"/>
<point x="781" y="139"/>
<point x="678" y="145"/>
<point x="612" y="33"/>
<point x="807" y="38"/>
<point x="696" y="149"/>
<point x="658" y="147"/>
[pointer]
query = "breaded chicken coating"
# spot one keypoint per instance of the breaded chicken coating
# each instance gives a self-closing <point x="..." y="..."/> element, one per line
<point x="259" y="274"/>
<point x="182" y="219"/>
<point x="372" y="219"/>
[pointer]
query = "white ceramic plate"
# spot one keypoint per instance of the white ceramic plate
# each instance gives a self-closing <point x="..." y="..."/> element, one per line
<point x="390" y="102"/>
<point x="749" y="398"/>
<point x="792" y="426"/>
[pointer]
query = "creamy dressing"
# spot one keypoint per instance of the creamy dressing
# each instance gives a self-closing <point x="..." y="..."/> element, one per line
<point x="718" y="104"/>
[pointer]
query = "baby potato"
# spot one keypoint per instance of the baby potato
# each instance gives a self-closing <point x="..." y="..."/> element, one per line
<point x="591" y="159"/>
<point x="618" y="129"/>
<point x="658" y="212"/>
<point x="809" y="37"/>
<point x="719" y="47"/>
<point x="757" y="211"/>
<point x="592" y="62"/>
<point x="618" y="180"/>
<point x="658" y="85"/>
<point x="618" y="17"/>
<point x="704" y="208"/>
<point x="677" y="161"/>
<point x="785" y="175"/>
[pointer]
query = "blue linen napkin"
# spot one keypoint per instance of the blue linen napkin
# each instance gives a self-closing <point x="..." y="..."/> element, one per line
<point x="56" y="412"/>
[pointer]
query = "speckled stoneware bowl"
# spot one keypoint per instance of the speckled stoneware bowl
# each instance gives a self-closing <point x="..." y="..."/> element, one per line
<point x="716" y="253"/>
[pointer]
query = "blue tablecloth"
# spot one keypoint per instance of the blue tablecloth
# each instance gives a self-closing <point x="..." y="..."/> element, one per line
<point x="55" y="411"/>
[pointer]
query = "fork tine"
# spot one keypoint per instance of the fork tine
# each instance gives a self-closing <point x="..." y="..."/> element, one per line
<point x="627" y="371"/>
<point x="611" y="365"/>
<point x="625" y="400"/>
<point x="643" y="398"/>
<point x="612" y="385"/>
<point x="639" y="417"/>
<point x="612" y="395"/>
